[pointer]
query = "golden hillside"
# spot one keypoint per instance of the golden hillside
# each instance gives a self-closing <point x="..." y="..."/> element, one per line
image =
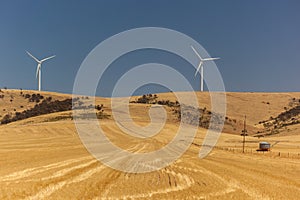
<point x="258" y="107"/>
<point x="42" y="157"/>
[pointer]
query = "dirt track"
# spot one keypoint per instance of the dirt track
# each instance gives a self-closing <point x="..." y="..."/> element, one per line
<point x="48" y="161"/>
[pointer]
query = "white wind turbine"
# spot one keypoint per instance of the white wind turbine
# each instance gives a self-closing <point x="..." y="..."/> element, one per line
<point x="200" y="66"/>
<point x="39" y="68"/>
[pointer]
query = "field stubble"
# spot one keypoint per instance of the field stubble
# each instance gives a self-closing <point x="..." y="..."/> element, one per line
<point x="48" y="161"/>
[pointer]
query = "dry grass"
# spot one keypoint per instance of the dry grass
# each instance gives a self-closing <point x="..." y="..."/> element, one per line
<point x="46" y="160"/>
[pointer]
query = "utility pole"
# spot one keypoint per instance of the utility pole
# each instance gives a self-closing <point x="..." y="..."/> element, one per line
<point x="244" y="133"/>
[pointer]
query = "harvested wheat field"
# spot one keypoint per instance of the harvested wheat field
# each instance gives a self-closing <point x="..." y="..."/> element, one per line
<point x="42" y="157"/>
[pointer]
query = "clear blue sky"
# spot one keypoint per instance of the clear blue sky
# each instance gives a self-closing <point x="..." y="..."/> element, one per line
<point x="258" y="41"/>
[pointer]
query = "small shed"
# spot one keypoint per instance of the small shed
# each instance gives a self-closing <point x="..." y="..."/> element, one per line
<point x="264" y="146"/>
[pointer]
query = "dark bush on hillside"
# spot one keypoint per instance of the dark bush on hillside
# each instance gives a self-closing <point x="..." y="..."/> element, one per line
<point x="146" y="99"/>
<point x="34" y="97"/>
<point x="190" y="115"/>
<point x="290" y="116"/>
<point x="152" y="99"/>
<point x="99" y="107"/>
<point x="6" y="119"/>
<point x="284" y="116"/>
<point x="45" y="107"/>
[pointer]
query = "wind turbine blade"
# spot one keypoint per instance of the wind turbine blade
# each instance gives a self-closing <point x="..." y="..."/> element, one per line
<point x="38" y="70"/>
<point x="210" y="59"/>
<point x="32" y="56"/>
<point x="200" y="64"/>
<point x="47" y="58"/>
<point x="196" y="52"/>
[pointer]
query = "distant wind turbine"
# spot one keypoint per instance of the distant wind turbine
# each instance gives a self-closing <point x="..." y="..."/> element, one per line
<point x="39" y="68"/>
<point x="200" y="66"/>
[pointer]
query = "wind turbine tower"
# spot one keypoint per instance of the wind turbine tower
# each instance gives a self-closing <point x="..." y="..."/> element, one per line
<point x="200" y="66"/>
<point x="39" y="68"/>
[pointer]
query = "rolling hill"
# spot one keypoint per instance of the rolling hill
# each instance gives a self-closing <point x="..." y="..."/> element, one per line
<point x="267" y="113"/>
<point x="42" y="156"/>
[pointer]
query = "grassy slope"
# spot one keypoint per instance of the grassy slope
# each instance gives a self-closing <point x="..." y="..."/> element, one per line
<point x="256" y="106"/>
<point x="46" y="160"/>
